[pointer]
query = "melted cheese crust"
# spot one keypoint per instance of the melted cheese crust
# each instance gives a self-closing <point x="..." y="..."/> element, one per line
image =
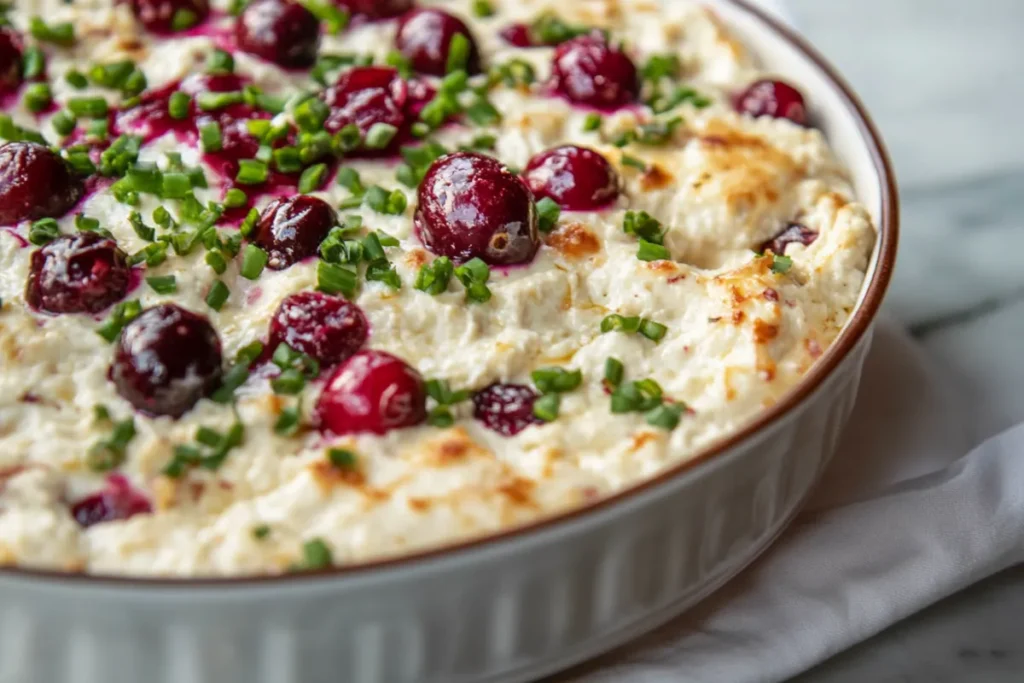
<point x="739" y="336"/>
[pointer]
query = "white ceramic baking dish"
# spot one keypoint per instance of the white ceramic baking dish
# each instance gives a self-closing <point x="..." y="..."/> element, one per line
<point x="506" y="608"/>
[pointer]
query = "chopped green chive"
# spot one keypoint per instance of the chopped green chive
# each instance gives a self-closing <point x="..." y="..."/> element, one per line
<point x="122" y="314"/>
<point x="109" y="453"/>
<point x="650" y="251"/>
<point x="183" y="19"/>
<point x="212" y="101"/>
<point x="33" y="63"/>
<point x="62" y="34"/>
<point x="260" y="532"/>
<point x="334" y="18"/>
<point x="665" y="416"/>
<point x="254" y="260"/>
<point x="252" y="172"/>
<point x="218" y="295"/>
<point x="287" y="159"/>
<point x="312" y="179"/>
<point x="380" y="135"/>
<point x="220" y="62"/>
<point x="163" y="284"/>
<point x="289" y="421"/>
<point x="249" y="223"/>
<point x="613" y="372"/>
<point x="175" y="185"/>
<point x="334" y="279"/>
<point x="550" y="29"/>
<point x="433" y="278"/>
<point x="474" y="275"/>
<point x="37" y="97"/>
<point x="210" y="136"/>
<point x="43" y="231"/>
<point x="178" y="105"/>
<point x="310" y="114"/>
<point x="781" y="264"/>
<point x="652" y="330"/>
<point x="342" y="459"/>
<point x="88" y="107"/>
<point x="315" y="553"/>
<point x="645" y="227"/>
<point x="76" y="79"/>
<point x="235" y="198"/>
<point x="556" y="380"/>
<point x="63" y="122"/>
<point x="548" y="213"/>
<point x="382" y="271"/>
<point x="349" y="179"/>
<point x="592" y="122"/>
<point x="483" y="9"/>
<point x="458" y="53"/>
<point x="629" y="160"/>
<point x="616" y="323"/>
<point x="546" y="407"/>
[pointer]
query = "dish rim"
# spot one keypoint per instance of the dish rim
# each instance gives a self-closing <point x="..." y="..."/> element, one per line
<point x="856" y="327"/>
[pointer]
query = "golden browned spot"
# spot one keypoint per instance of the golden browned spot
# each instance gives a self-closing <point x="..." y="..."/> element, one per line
<point x="574" y="241"/>
<point x="451" y="446"/>
<point x="738" y="316"/>
<point x="662" y="267"/>
<point x="420" y="504"/>
<point x="655" y="178"/>
<point x="641" y="439"/>
<point x="764" y="331"/>
<point x="7" y="556"/>
<point x="417" y="258"/>
<point x="327" y="476"/>
<point x="165" y="493"/>
<point x="519" y="491"/>
<point x="677" y="278"/>
<point x="730" y="390"/>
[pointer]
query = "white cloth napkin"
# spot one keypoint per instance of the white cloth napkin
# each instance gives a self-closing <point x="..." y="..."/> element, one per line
<point x="904" y="517"/>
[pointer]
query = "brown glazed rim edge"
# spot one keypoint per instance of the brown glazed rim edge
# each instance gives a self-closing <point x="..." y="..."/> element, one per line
<point x="856" y="327"/>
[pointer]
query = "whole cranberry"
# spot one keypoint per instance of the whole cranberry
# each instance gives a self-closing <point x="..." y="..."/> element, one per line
<point x="579" y="179"/>
<point x="517" y="35"/>
<point x="151" y="118"/>
<point x="292" y="228"/>
<point x="325" y="327"/>
<point x="372" y="392"/>
<point x="376" y="9"/>
<point x="773" y="98"/>
<point x="117" y="500"/>
<point x="35" y="183"/>
<point x="505" y="408"/>
<point x="164" y="16"/>
<point x="794" y="233"/>
<point x="425" y="37"/>
<point x="279" y="31"/>
<point x="10" y="60"/>
<point x="364" y="96"/>
<point x="470" y="205"/>
<point x="80" y="273"/>
<point x="589" y="71"/>
<point x="166" y="360"/>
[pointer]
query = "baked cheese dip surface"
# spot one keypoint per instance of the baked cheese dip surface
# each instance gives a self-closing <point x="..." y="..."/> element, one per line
<point x="287" y="285"/>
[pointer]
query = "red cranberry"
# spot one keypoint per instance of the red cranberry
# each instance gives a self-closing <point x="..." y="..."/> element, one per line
<point x="159" y="15"/>
<point x="279" y="31"/>
<point x="372" y="392"/>
<point x="589" y="71"/>
<point x="773" y="98"/>
<point x="292" y="228"/>
<point x="365" y="96"/>
<point x="517" y="35"/>
<point x="80" y="273"/>
<point x="166" y="360"/>
<point x="35" y="183"/>
<point x="117" y="500"/>
<point x="10" y="60"/>
<point x="425" y="36"/>
<point x="579" y="179"/>
<point x="793" y="234"/>
<point x="150" y="118"/>
<point x="325" y="327"/>
<point x="471" y="205"/>
<point x="505" y="408"/>
<point x="376" y="9"/>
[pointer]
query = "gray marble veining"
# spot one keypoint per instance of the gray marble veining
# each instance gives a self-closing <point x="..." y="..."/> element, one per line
<point x="945" y="82"/>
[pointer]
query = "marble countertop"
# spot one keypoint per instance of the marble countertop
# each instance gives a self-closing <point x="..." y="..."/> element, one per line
<point x="943" y="80"/>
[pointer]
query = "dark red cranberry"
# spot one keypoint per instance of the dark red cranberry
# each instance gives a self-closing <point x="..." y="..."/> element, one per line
<point x="164" y="16"/>
<point x="35" y="183"/>
<point x="117" y="500"/>
<point x="517" y="35"/>
<point x="471" y="205"/>
<point x="10" y="60"/>
<point x="376" y="9"/>
<point x="279" y="31"/>
<point x="365" y="96"/>
<point x="589" y="71"/>
<point x="292" y="228"/>
<point x="773" y="98"/>
<point x="166" y="360"/>
<point x="793" y="234"/>
<point x="150" y="118"/>
<point x="579" y="179"/>
<point x="80" y="273"/>
<point x="425" y="36"/>
<point x="505" y="408"/>
<point x="372" y="392"/>
<point x="325" y="327"/>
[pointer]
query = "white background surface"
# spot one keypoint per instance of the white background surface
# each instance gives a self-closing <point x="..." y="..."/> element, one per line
<point x="945" y="82"/>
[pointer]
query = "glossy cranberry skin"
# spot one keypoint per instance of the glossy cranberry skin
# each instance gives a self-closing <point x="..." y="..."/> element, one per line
<point x="372" y="392"/>
<point x="795" y="233"/>
<point x="166" y="360"/>
<point x="579" y="179"/>
<point x="292" y="228"/>
<point x="470" y="205"/>
<point x="117" y="500"/>
<point x="425" y="36"/>
<point x="517" y="35"/>
<point x="376" y="9"/>
<point x="10" y="60"/>
<point x="365" y="96"/>
<point x="80" y="273"/>
<point x="773" y="98"/>
<point x="35" y="183"/>
<point x="589" y="71"/>
<point x="328" y="328"/>
<point x="279" y="31"/>
<point x="158" y="15"/>
<point x="505" y="408"/>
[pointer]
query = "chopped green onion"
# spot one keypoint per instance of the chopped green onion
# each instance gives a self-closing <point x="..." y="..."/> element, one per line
<point x="548" y="213"/>
<point x="212" y="101"/>
<point x="62" y="34"/>
<point x="310" y="114"/>
<point x="254" y="260"/>
<point x="335" y="18"/>
<point x="315" y="553"/>
<point x="109" y="453"/>
<point x="616" y="322"/>
<point x="458" y="53"/>
<point x="235" y="198"/>
<point x="178" y="105"/>
<point x="781" y="264"/>
<point x="629" y="160"/>
<point x="37" y="97"/>
<point x="382" y="271"/>
<point x="289" y="421"/>
<point x="249" y="223"/>
<point x="175" y="185"/>
<point x="260" y="531"/>
<point x="642" y="225"/>
<point x="649" y="251"/>
<point x="652" y="330"/>
<point x="220" y="62"/>
<point x="348" y="138"/>
<point x="183" y="19"/>
<point x="312" y="179"/>
<point x="145" y="232"/>
<point x="63" y="122"/>
<point x="592" y="122"/>
<point x="216" y="261"/>
<point x="290" y="382"/>
<point x="556" y="380"/>
<point x="666" y="416"/>
<point x="474" y="275"/>
<point x="483" y="113"/>
<point x="334" y="279"/>
<point x="33" y="63"/>
<point x="163" y="284"/>
<point x="287" y="160"/>
<point x="613" y="372"/>
<point x="122" y="314"/>
<point x="380" y="135"/>
<point x="88" y="107"/>
<point x="43" y="231"/>
<point x="76" y="79"/>
<point x="217" y="295"/>
<point x="546" y="407"/>
<point x="433" y="278"/>
<point x="210" y="137"/>
<point x="252" y="172"/>
<point x="342" y="459"/>
<point x="483" y="9"/>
